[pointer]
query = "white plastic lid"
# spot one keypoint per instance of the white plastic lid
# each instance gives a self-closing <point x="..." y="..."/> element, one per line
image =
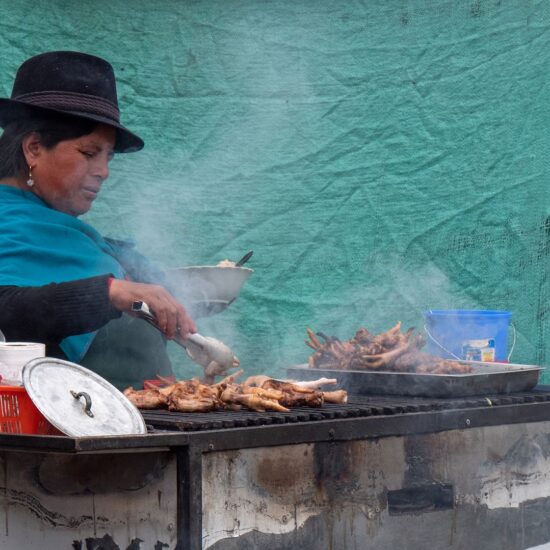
<point x="79" y="402"/>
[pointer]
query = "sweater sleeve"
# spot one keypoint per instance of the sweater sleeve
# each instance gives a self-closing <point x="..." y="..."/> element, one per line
<point x="52" y="312"/>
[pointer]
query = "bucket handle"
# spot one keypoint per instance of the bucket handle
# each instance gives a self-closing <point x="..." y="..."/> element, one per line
<point x="513" y="340"/>
<point x="438" y="344"/>
<point x="458" y="358"/>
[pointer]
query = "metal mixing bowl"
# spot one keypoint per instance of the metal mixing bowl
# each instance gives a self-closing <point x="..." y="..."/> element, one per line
<point x="206" y="290"/>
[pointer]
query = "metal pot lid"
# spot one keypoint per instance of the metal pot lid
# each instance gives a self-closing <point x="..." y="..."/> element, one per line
<point x="79" y="402"/>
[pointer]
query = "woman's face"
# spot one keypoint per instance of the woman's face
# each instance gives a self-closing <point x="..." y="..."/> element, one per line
<point x="68" y="176"/>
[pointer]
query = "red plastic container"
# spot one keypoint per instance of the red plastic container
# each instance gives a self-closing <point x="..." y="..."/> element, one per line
<point x="19" y="415"/>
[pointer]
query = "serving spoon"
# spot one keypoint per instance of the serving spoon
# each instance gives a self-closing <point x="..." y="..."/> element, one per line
<point x="244" y="259"/>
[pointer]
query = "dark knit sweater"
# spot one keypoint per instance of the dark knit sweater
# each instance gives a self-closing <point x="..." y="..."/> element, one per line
<point x="51" y="312"/>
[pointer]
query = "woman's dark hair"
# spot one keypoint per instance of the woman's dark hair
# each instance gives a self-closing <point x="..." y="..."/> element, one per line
<point x="51" y="128"/>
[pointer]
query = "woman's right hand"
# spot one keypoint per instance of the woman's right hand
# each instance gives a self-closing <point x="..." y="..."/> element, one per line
<point x="171" y="316"/>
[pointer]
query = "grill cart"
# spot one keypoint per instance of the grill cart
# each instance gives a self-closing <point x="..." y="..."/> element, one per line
<point x="377" y="472"/>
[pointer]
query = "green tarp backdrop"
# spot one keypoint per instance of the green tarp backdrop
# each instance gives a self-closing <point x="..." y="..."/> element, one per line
<point x="380" y="157"/>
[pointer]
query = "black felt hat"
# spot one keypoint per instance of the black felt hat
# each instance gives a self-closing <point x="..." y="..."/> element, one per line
<point x="73" y="83"/>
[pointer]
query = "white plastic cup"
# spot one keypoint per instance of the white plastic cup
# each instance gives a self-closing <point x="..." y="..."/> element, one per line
<point x="14" y="356"/>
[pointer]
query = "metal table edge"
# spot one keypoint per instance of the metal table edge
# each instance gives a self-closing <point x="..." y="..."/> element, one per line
<point x="369" y="427"/>
<point x="342" y="429"/>
<point x="64" y="444"/>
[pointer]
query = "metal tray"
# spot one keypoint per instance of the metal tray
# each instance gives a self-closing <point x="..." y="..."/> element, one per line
<point x="485" y="379"/>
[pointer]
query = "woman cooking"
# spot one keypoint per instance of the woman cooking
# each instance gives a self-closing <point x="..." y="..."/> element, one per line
<point x="61" y="282"/>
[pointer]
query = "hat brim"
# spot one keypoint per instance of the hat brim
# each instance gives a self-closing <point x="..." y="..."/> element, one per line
<point x="125" y="142"/>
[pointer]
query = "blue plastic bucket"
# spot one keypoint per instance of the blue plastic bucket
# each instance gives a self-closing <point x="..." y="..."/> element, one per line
<point x="468" y="334"/>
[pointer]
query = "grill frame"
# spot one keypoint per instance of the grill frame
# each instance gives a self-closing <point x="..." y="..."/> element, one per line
<point x="357" y="407"/>
<point x="398" y="416"/>
<point x="381" y="417"/>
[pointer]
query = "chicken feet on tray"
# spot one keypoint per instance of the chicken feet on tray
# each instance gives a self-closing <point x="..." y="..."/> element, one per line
<point x="392" y="350"/>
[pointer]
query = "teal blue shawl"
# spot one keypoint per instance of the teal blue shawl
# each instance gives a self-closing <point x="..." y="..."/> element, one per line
<point x="39" y="245"/>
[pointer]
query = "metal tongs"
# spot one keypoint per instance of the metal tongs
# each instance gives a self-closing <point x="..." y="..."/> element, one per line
<point x="211" y="354"/>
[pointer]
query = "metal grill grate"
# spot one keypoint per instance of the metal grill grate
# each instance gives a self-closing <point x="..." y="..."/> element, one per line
<point x="358" y="406"/>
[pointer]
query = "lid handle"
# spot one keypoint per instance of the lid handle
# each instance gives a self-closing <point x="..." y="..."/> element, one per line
<point x="87" y="398"/>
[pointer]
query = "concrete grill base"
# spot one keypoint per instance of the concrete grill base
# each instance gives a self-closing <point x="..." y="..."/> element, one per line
<point x="55" y="501"/>
<point x="440" y="475"/>
<point x="486" y="487"/>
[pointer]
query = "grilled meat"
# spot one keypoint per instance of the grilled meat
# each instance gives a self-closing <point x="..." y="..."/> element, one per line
<point x="314" y="384"/>
<point x="258" y="393"/>
<point x="253" y="401"/>
<point x="337" y="396"/>
<point x="392" y="350"/>
<point x="293" y="395"/>
<point x="191" y="396"/>
<point x="146" y="399"/>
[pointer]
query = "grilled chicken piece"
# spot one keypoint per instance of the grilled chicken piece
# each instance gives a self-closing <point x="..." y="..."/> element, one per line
<point x="331" y="354"/>
<point x="313" y="399"/>
<point x="257" y="381"/>
<point x="372" y="344"/>
<point x="192" y="386"/>
<point x="295" y="396"/>
<point x="445" y="367"/>
<point x="191" y="404"/>
<point x="313" y="384"/>
<point x="459" y="368"/>
<point x="292" y="393"/>
<point x="231" y="395"/>
<point x="420" y="362"/>
<point x="410" y="361"/>
<point x="338" y="396"/>
<point x="313" y="341"/>
<point x="192" y="396"/>
<point x="261" y="392"/>
<point x="362" y="360"/>
<point x="146" y="399"/>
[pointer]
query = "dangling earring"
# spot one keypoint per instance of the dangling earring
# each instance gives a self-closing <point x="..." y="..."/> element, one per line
<point x="30" y="181"/>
